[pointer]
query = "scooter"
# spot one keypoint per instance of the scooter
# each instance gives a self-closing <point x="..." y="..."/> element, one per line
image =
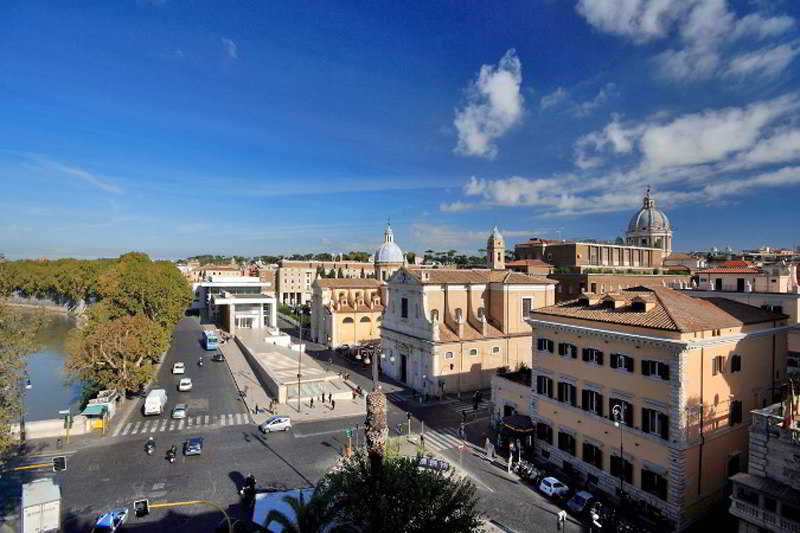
<point x="150" y="446"/>
<point x="171" y="453"/>
<point x="200" y="362"/>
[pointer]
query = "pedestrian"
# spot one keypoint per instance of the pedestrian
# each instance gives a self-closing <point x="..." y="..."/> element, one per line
<point x="330" y="397"/>
<point x="333" y="405"/>
<point x="354" y="394"/>
<point x="255" y="410"/>
<point x="422" y="442"/>
<point x="312" y="403"/>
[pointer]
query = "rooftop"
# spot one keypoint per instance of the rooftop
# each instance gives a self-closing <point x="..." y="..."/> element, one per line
<point x="528" y="262"/>
<point x="348" y="283"/>
<point x="672" y="310"/>
<point x="521" y="376"/>
<point x="476" y="276"/>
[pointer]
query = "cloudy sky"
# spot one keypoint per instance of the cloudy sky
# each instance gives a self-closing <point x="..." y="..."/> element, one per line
<point x="180" y="128"/>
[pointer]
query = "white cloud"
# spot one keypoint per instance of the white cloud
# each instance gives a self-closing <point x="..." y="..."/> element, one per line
<point x="553" y="99"/>
<point x="704" y="31"/>
<point x="781" y="147"/>
<point x="230" y="48"/>
<point x="431" y="236"/>
<point x="512" y="191"/>
<point x="456" y="207"/>
<point x="494" y="104"/>
<point x="583" y="109"/>
<point x="100" y="182"/>
<point x="769" y="61"/>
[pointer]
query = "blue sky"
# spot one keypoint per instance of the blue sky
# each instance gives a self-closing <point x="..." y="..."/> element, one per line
<point x="180" y="128"/>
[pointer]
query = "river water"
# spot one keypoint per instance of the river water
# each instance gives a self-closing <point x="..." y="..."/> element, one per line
<point x="51" y="390"/>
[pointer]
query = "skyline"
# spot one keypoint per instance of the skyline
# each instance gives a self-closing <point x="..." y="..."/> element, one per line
<point x="280" y="129"/>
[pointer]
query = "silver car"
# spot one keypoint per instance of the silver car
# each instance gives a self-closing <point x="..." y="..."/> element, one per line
<point x="276" y="423"/>
<point x="180" y="411"/>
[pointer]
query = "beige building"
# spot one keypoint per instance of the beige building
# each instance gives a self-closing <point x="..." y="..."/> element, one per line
<point x="449" y="330"/>
<point x="767" y="496"/>
<point x="294" y="278"/>
<point x="683" y="373"/>
<point x="535" y="267"/>
<point x="588" y="256"/>
<point x="511" y="393"/>
<point x="346" y="311"/>
<point x="573" y="285"/>
<point x="778" y="277"/>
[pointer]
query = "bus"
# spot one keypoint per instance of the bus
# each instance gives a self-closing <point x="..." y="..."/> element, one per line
<point x="210" y="341"/>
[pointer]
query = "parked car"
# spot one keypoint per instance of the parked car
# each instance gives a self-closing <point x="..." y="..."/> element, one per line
<point x="553" y="488"/>
<point x="433" y="464"/>
<point x="581" y="502"/>
<point x="185" y="384"/>
<point x="276" y="423"/>
<point x="179" y="411"/>
<point x="179" y="368"/>
<point x="343" y="349"/>
<point x="193" y="446"/>
<point x="110" y="521"/>
<point x="218" y="357"/>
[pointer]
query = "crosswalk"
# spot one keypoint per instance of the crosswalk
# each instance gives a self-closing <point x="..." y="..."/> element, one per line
<point x="157" y="425"/>
<point x="398" y="397"/>
<point x="466" y="406"/>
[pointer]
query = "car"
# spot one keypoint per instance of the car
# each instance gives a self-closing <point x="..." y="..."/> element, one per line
<point x="581" y="502"/>
<point x="218" y="357"/>
<point x="343" y="349"/>
<point x="552" y="487"/>
<point x="179" y="411"/>
<point x="193" y="446"/>
<point x="110" y="521"/>
<point x="178" y="368"/>
<point x="432" y="464"/>
<point x="276" y="423"/>
<point x="185" y="384"/>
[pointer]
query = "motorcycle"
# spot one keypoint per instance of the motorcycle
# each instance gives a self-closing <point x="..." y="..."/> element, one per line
<point x="171" y="453"/>
<point x="200" y="362"/>
<point x="150" y="446"/>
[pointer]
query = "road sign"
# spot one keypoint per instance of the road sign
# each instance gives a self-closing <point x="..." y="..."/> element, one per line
<point x="141" y="508"/>
<point x="59" y="463"/>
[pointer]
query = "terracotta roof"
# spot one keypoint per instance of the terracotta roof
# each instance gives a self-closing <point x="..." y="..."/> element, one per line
<point x="537" y="240"/>
<point x="348" y="283"/>
<point x="360" y="309"/>
<point x="742" y="270"/>
<point x="470" y="333"/>
<point x="528" y="262"/>
<point x="219" y="267"/>
<point x="463" y="277"/>
<point x="673" y="310"/>
<point x="735" y="263"/>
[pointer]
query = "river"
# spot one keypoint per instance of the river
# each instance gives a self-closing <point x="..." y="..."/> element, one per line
<point x="51" y="391"/>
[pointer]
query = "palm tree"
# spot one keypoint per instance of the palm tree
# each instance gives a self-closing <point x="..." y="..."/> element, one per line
<point x="313" y="516"/>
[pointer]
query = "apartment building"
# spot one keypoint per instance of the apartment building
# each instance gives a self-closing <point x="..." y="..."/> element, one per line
<point x="679" y="374"/>
<point x="294" y="278"/>
<point x="583" y="256"/>
<point x="778" y="277"/>
<point x="346" y="311"/>
<point x="572" y="285"/>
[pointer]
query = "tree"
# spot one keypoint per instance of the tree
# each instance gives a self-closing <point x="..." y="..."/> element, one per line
<point x="120" y="353"/>
<point x="312" y="516"/>
<point x="411" y="258"/>
<point x="363" y="273"/>
<point x="401" y="498"/>
<point x="18" y="337"/>
<point x="340" y="274"/>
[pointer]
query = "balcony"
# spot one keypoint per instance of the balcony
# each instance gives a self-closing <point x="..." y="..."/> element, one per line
<point x="762" y="518"/>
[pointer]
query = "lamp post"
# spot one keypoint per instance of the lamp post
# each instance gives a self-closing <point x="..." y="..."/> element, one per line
<point x="619" y="414"/>
<point x="303" y="311"/>
<point x="24" y="384"/>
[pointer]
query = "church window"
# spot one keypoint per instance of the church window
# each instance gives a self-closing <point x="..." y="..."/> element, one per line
<point x="364" y="319"/>
<point x="347" y="320"/>
<point x="473" y="352"/>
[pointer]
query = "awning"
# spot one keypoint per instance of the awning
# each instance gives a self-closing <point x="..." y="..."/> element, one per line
<point x="519" y="423"/>
<point x="95" y="409"/>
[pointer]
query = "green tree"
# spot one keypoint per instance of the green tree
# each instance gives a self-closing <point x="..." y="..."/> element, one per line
<point x="340" y="274"/>
<point x="411" y="257"/>
<point x="119" y="353"/>
<point x="18" y="337"/>
<point x="313" y="516"/>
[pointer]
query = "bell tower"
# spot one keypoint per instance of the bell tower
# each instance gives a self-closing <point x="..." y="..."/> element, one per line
<point x="496" y="251"/>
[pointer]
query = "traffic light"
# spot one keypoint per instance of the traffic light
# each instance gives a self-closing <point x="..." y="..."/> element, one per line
<point x="59" y="463"/>
<point x="141" y="508"/>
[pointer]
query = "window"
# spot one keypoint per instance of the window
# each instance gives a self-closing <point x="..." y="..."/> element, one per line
<point x="527" y="305"/>
<point x="654" y="483"/>
<point x="347" y="320"/>
<point x="627" y="411"/>
<point x="566" y="443"/>
<point x="448" y="355"/>
<point x="655" y="368"/>
<point x="770" y="504"/>
<point x="621" y="468"/>
<point x="473" y="352"/>
<point x="590" y="355"/>
<point x="566" y="349"/>
<point x="717" y="365"/>
<point x="544" y="386"/>
<point x="655" y="422"/>
<point x="593" y="455"/>
<point x="544" y="345"/>
<point x="736" y="363"/>
<point x="544" y="432"/>
<point x="495" y="349"/>
<point x="404" y="307"/>
<point x="735" y="413"/>
<point x="618" y="360"/>
<point x="364" y="319"/>
<point x="592" y="401"/>
<point x="567" y="393"/>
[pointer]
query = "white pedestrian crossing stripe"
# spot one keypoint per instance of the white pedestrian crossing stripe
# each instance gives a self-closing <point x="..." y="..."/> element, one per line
<point x="463" y="406"/>
<point x="165" y="424"/>
<point x="440" y="439"/>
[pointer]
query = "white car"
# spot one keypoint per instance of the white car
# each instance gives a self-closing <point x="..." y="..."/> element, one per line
<point x="185" y="384"/>
<point x="179" y="411"/>
<point x="179" y="368"/>
<point x="552" y="487"/>
<point x="276" y="423"/>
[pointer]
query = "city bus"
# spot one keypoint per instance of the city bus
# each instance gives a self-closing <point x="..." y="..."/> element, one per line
<point x="210" y="341"/>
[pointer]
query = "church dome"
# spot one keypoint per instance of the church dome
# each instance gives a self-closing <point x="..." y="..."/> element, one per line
<point x="389" y="252"/>
<point x="649" y="218"/>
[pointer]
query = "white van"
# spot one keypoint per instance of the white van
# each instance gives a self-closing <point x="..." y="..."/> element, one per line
<point x="155" y="402"/>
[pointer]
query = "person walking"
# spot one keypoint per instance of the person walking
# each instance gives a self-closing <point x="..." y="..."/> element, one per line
<point x="333" y="404"/>
<point x="354" y="394"/>
<point x="312" y="402"/>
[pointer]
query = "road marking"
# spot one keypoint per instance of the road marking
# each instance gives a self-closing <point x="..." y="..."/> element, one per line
<point x="128" y="427"/>
<point x="239" y="418"/>
<point x="231" y="421"/>
<point x="154" y="426"/>
<point x="116" y="431"/>
<point x="188" y="422"/>
<point x="163" y="425"/>
<point x="206" y="419"/>
<point x="198" y="420"/>
<point x="180" y="425"/>
<point x="171" y="425"/>
<point x="135" y="428"/>
<point x="221" y="420"/>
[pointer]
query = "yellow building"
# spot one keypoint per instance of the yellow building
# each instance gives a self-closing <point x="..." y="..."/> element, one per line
<point x="683" y="374"/>
<point x="346" y="311"/>
<point x="449" y="330"/>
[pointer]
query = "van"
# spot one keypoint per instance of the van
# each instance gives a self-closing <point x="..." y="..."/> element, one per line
<point x="155" y="402"/>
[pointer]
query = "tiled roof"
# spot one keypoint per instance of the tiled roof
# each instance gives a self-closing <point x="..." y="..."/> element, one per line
<point x="463" y="277"/>
<point x="735" y="263"/>
<point x="673" y="310"/>
<point x="537" y="240"/>
<point x="732" y="270"/>
<point x="360" y="309"/>
<point x="349" y="283"/>
<point x="470" y="333"/>
<point x="528" y="262"/>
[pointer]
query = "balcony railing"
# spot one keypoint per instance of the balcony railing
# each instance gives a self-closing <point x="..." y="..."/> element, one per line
<point x="762" y="517"/>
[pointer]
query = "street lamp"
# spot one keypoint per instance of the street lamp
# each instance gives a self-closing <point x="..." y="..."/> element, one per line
<point x="619" y="414"/>
<point x="24" y="384"/>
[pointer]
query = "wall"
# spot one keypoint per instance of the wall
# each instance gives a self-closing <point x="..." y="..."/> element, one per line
<point x="506" y="392"/>
<point x="52" y="428"/>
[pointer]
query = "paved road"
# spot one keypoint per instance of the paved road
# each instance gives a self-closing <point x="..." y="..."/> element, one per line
<point x="213" y="400"/>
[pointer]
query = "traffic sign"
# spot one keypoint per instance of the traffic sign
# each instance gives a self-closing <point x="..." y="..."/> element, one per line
<point x="59" y="463"/>
<point x="141" y="508"/>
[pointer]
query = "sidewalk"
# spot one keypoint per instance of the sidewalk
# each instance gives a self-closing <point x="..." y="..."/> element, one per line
<point x="256" y="396"/>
